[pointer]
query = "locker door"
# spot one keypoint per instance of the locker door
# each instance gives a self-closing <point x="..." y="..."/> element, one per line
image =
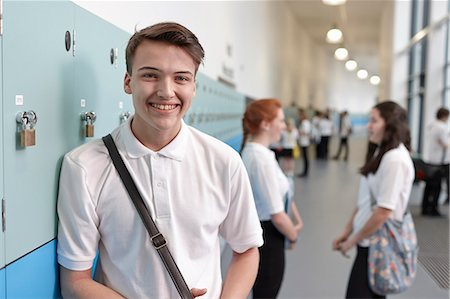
<point x="2" y="173"/>
<point x="99" y="70"/>
<point x="38" y="77"/>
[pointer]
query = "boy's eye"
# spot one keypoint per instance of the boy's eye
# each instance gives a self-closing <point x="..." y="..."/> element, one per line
<point x="150" y="75"/>
<point x="182" y="78"/>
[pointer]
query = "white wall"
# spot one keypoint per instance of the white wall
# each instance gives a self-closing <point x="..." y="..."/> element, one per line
<point x="385" y="48"/>
<point x="272" y="55"/>
<point x="348" y="92"/>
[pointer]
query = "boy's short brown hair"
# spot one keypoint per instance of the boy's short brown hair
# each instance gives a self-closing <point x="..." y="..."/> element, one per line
<point x="169" y="32"/>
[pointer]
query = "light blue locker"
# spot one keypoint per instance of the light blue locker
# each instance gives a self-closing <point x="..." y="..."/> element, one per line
<point x="39" y="70"/>
<point x="2" y="236"/>
<point x="217" y="110"/>
<point x="98" y="78"/>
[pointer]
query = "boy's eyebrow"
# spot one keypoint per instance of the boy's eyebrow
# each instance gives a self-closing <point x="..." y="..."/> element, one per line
<point x="146" y="68"/>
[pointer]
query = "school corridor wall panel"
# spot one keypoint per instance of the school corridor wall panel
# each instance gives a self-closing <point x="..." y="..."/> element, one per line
<point x="61" y="64"/>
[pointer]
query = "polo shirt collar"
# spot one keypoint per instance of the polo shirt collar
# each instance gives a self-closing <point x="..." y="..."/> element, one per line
<point x="176" y="149"/>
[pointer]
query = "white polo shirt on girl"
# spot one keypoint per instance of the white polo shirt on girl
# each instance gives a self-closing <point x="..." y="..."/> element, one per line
<point x="196" y="189"/>
<point x="391" y="187"/>
<point x="268" y="181"/>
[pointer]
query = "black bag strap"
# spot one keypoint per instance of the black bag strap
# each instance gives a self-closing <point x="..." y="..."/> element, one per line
<point x="158" y="240"/>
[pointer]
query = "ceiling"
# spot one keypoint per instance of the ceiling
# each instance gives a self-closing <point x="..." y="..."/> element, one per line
<point x="359" y="20"/>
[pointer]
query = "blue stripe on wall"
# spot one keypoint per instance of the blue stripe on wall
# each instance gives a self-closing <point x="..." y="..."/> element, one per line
<point x="34" y="275"/>
<point x="235" y="142"/>
<point x="2" y="283"/>
<point x="359" y="120"/>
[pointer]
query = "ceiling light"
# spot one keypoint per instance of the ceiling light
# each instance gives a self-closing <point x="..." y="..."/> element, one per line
<point x="334" y="36"/>
<point x="334" y="2"/>
<point x="375" y="80"/>
<point x="362" y="74"/>
<point x="351" y="65"/>
<point x="341" y="53"/>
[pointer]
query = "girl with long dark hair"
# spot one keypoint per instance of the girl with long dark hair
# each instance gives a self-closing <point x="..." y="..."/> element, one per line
<point x="387" y="178"/>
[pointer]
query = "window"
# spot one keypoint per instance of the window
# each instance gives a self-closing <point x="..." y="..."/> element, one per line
<point x="417" y="73"/>
<point x="446" y="93"/>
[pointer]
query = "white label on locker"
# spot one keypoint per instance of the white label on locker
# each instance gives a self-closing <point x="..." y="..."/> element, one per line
<point x="19" y="100"/>
<point x="120" y="105"/>
<point x="83" y="103"/>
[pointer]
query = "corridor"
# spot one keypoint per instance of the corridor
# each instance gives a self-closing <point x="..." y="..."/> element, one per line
<point x="325" y="199"/>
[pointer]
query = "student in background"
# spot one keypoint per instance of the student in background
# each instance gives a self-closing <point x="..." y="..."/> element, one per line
<point x="315" y="131"/>
<point x="345" y="129"/>
<point x="288" y="141"/>
<point x="262" y="124"/>
<point x="304" y="140"/>
<point x="437" y="153"/>
<point x="326" y="131"/>
<point x="386" y="179"/>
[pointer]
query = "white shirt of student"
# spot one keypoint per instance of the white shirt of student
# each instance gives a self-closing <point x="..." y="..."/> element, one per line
<point x="289" y="139"/>
<point x="325" y="127"/>
<point x="346" y="126"/>
<point x="437" y="134"/>
<point x="196" y="189"/>
<point x="391" y="187"/>
<point x="269" y="184"/>
<point x="305" y="132"/>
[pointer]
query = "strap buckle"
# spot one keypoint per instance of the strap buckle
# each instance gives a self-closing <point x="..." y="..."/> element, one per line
<point x="158" y="241"/>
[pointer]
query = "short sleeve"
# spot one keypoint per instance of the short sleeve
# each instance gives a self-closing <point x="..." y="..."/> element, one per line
<point x="241" y="228"/>
<point x="392" y="173"/>
<point x="78" y="235"/>
<point x="269" y="189"/>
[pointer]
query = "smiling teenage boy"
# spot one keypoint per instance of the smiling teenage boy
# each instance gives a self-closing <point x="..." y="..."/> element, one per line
<point x="195" y="187"/>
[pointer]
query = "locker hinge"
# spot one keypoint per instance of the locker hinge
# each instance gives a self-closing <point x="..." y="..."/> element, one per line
<point x="1" y="17"/>
<point x="3" y="215"/>
<point x="74" y="36"/>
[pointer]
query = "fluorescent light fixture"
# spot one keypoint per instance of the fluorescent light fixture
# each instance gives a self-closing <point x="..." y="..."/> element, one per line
<point x="334" y="2"/>
<point x="334" y="36"/>
<point x="351" y="65"/>
<point x="341" y="53"/>
<point x="375" y="80"/>
<point x="362" y="74"/>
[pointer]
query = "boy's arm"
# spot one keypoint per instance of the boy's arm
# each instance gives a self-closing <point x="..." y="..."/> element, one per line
<point x="79" y="284"/>
<point x="241" y="274"/>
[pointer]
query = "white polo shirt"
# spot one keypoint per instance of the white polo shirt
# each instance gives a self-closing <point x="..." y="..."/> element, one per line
<point x="269" y="184"/>
<point x="196" y="189"/>
<point x="305" y="132"/>
<point x="437" y="134"/>
<point x="391" y="187"/>
<point x="289" y="139"/>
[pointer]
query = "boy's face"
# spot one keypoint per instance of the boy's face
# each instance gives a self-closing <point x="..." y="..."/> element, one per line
<point x="162" y="84"/>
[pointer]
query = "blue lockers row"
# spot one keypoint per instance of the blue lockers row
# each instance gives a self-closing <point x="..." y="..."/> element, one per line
<point x="40" y="74"/>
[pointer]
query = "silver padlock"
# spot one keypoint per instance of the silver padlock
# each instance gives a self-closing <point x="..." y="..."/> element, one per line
<point x="89" y="118"/>
<point x="124" y="116"/>
<point x="27" y="121"/>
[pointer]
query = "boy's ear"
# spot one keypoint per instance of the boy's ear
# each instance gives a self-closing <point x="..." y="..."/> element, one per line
<point x="126" y="83"/>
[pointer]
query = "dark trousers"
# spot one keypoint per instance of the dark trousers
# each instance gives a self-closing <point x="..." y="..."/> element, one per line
<point x="430" y="200"/>
<point x="446" y="178"/>
<point x="323" y="147"/>
<point x="343" y="144"/>
<point x="271" y="263"/>
<point x="358" y="284"/>
<point x="305" y="160"/>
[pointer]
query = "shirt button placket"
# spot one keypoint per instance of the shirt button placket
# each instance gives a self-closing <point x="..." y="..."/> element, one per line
<point x="160" y="191"/>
